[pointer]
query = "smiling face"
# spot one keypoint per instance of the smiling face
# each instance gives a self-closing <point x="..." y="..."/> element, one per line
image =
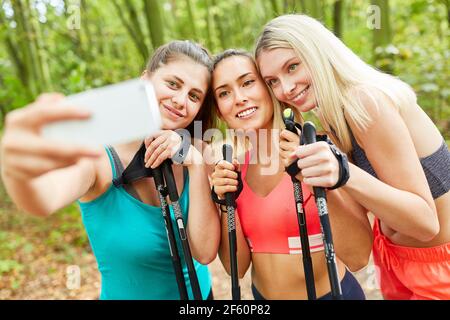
<point x="241" y="95"/>
<point x="288" y="77"/>
<point x="180" y="87"/>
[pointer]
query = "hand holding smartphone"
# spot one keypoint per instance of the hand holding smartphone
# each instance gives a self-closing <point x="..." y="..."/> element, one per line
<point x="120" y="113"/>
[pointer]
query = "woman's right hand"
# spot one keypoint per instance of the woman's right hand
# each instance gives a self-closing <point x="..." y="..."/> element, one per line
<point x="25" y="154"/>
<point x="225" y="177"/>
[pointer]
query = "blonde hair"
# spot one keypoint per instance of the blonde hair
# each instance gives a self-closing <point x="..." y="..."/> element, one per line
<point x="335" y="74"/>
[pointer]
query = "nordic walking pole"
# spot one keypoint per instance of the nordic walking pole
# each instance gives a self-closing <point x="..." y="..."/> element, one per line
<point x="173" y="196"/>
<point x="309" y="133"/>
<point x="176" y="262"/>
<point x="288" y="118"/>
<point x="227" y="152"/>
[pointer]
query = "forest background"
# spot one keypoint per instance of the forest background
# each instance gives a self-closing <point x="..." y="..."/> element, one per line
<point x="69" y="46"/>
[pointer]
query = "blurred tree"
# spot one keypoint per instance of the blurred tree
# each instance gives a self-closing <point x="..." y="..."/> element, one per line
<point x="13" y="48"/>
<point x="274" y="6"/>
<point x="337" y="17"/>
<point x="219" y="25"/>
<point x="41" y="48"/>
<point x="209" y="41"/>
<point x="154" y="22"/>
<point x="192" y="20"/>
<point x="313" y="8"/>
<point x="382" y="36"/>
<point x="132" y="25"/>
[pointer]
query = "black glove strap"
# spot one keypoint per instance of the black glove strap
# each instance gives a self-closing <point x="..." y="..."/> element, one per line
<point x="344" y="170"/>
<point x="135" y="170"/>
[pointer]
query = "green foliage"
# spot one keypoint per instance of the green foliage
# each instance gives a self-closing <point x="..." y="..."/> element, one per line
<point x="24" y="237"/>
<point x="109" y="47"/>
<point x="115" y="38"/>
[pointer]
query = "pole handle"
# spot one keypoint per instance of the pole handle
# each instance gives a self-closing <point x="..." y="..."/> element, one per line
<point x="309" y="132"/>
<point x="170" y="180"/>
<point x="227" y="152"/>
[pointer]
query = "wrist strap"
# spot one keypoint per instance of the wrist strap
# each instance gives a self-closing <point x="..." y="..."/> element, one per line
<point x="344" y="170"/>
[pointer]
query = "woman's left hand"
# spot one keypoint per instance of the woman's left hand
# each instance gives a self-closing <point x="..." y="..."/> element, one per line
<point x="319" y="167"/>
<point x="160" y="147"/>
<point x="164" y="145"/>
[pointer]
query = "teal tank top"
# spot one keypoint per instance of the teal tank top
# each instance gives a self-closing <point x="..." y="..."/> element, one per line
<point x="129" y="241"/>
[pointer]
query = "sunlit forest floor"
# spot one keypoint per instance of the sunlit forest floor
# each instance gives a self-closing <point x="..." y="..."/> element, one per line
<point x="36" y="256"/>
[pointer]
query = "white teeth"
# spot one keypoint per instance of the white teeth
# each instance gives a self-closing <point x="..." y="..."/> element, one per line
<point x="246" y="112"/>
<point x="301" y="93"/>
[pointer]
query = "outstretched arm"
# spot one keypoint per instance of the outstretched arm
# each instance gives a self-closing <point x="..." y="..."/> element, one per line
<point x="42" y="176"/>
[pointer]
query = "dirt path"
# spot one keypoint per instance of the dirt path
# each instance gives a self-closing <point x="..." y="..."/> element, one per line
<point x="59" y="284"/>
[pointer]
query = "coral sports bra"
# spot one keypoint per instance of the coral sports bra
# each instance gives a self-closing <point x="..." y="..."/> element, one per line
<point x="270" y="223"/>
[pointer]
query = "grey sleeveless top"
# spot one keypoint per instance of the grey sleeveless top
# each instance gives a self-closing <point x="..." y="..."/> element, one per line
<point x="436" y="167"/>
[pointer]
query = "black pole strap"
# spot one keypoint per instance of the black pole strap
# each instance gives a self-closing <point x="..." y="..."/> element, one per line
<point x="135" y="170"/>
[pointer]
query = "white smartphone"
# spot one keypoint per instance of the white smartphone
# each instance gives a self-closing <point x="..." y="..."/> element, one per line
<point x="120" y="113"/>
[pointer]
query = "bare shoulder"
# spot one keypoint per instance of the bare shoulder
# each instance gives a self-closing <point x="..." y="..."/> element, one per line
<point x="382" y="112"/>
<point x="389" y="146"/>
<point x="101" y="170"/>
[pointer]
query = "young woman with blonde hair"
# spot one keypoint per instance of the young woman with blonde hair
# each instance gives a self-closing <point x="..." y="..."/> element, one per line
<point x="401" y="164"/>
<point x="267" y="229"/>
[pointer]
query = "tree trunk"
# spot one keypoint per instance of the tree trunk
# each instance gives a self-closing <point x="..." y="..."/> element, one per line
<point x="13" y="50"/>
<point x="134" y="21"/>
<point x="25" y="46"/>
<point x="312" y="8"/>
<point x="220" y="29"/>
<point x="382" y="36"/>
<point x="447" y="5"/>
<point x="134" y="34"/>
<point x="191" y="20"/>
<point x="40" y="60"/>
<point x="154" y="22"/>
<point x="240" y="37"/>
<point x="274" y="5"/>
<point x="337" y="18"/>
<point x="86" y="31"/>
<point x="209" y="41"/>
<point x="179" y="28"/>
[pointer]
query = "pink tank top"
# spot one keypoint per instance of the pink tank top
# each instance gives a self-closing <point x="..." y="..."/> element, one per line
<point x="270" y="223"/>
